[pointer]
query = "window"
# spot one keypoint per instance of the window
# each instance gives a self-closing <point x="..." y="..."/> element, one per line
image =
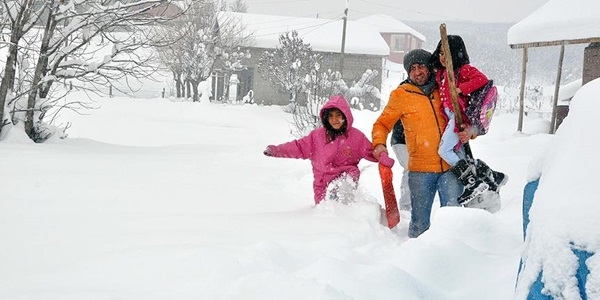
<point x="398" y="43"/>
<point x="404" y="43"/>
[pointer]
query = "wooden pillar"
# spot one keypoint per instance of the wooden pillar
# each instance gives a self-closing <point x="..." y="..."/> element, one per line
<point x="522" y="93"/>
<point x="557" y="88"/>
<point x="343" y="50"/>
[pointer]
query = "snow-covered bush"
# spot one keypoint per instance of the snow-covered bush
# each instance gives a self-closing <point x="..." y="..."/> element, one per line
<point x="362" y="94"/>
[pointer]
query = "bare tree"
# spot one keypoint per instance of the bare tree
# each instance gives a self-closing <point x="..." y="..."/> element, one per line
<point x="289" y="64"/>
<point x="18" y="17"/>
<point x="202" y="39"/>
<point x="65" y="50"/>
<point x="169" y="56"/>
<point x="238" y="6"/>
<point x="200" y="45"/>
<point x="293" y="67"/>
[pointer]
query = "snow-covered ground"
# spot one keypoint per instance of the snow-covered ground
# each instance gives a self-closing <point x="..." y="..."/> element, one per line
<point x="160" y="199"/>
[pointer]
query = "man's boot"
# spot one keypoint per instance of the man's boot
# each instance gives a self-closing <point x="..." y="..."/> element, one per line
<point x="465" y="171"/>
<point x="494" y="179"/>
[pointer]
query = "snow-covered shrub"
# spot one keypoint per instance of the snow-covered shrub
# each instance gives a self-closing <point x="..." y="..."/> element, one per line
<point x="367" y="96"/>
<point x="249" y="97"/>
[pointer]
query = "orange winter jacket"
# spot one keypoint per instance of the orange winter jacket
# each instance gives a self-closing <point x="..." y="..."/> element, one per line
<point x="423" y="126"/>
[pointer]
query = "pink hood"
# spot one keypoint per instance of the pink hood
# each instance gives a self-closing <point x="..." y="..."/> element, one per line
<point x="338" y="101"/>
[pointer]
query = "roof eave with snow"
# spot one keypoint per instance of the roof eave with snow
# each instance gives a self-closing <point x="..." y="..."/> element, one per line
<point x="554" y="43"/>
<point x="557" y="22"/>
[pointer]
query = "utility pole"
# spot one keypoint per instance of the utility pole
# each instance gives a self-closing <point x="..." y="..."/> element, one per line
<point x="343" y="40"/>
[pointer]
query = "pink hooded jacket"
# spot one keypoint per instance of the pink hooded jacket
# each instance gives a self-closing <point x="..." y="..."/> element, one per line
<point x="329" y="159"/>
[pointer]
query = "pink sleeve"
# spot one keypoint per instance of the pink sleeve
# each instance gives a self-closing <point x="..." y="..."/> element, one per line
<point x="368" y="155"/>
<point x="470" y="79"/>
<point x="301" y="148"/>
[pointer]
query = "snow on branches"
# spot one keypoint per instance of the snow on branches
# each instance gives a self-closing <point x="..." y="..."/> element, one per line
<point x="294" y="68"/>
<point x="82" y="44"/>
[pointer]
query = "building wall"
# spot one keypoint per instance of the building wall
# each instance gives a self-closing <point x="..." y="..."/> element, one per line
<point x="591" y="71"/>
<point x="168" y="10"/>
<point x="410" y="43"/>
<point x="264" y="91"/>
<point x="591" y="63"/>
<point x="354" y="67"/>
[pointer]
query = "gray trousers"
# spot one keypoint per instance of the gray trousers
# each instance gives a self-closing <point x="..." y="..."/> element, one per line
<point x="402" y="157"/>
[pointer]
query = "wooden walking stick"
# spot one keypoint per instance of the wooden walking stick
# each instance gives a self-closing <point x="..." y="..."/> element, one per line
<point x="452" y="85"/>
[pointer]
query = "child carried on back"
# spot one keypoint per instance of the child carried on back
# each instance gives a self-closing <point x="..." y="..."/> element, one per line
<point x="475" y="175"/>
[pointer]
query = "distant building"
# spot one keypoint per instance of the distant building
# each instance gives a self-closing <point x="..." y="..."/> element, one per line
<point x="165" y="9"/>
<point x="400" y="37"/>
<point x="365" y="49"/>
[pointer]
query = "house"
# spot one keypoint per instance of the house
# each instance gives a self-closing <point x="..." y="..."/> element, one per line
<point x="400" y="37"/>
<point x="165" y="9"/>
<point x="364" y="50"/>
<point x="560" y="23"/>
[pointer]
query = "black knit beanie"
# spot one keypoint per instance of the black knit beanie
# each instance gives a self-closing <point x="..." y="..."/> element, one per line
<point x="415" y="56"/>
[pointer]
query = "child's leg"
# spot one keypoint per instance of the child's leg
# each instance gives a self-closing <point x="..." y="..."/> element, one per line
<point x="342" y="189"/>
<point x="493" y="178"/>
<point x="449" y="141"/>
<point x="465" y="172"/>
<point x="320" y="193"/>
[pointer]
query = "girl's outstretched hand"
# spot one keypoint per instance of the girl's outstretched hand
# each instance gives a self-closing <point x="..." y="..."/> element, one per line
<point x="385" y="160"/>
<point x="268" y="151"/>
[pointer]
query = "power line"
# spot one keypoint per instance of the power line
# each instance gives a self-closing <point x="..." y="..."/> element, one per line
<point x="336" y="18"/>
<point x="414" y="11"/>
<point x="276" y="21"/>
<point x="314" y="27"/>
<point x="279" y="2"/>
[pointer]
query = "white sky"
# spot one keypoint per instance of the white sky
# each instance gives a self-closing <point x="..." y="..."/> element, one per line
<point x="507" y="11"/>
<point x="154" y="199"/>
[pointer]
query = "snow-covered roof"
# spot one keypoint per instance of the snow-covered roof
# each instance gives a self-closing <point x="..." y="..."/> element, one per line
<point x="389" y="24"/>
<point x="565" y="91"/>
<point x="322" y="34"/>
<point x="572" y="21"/>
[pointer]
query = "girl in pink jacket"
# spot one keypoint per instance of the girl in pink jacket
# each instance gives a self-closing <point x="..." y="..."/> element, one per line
<point x="333" y="149"/>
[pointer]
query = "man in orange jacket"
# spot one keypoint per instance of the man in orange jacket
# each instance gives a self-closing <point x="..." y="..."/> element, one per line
<point x="416" y="102"/>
